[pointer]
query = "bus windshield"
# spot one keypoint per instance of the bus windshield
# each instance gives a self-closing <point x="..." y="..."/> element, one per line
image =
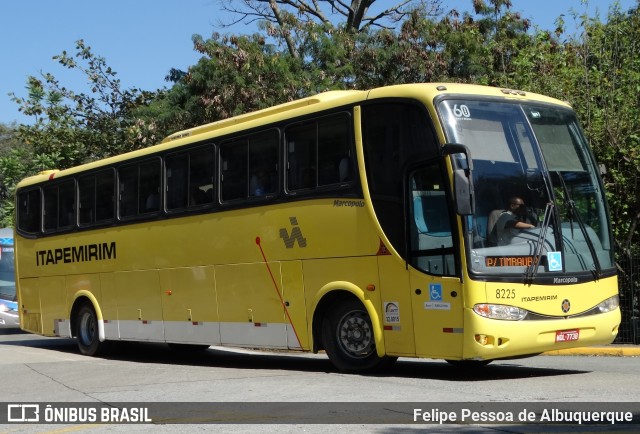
<point x="540" y="206"/>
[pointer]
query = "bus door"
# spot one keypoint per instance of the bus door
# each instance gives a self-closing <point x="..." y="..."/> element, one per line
<point x="436" y="291"/>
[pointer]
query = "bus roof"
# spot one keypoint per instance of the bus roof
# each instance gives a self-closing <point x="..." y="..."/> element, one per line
<point x="301" y="107"/>
<point x="330" y="96"/>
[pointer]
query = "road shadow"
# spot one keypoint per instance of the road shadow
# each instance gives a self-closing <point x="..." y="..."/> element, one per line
<point x="287" y="361"/>
<point x="159" y="353"/>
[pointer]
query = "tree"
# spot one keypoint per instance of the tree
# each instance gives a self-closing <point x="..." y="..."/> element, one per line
<point x="288" y="20"/>
<point x="75" y="127"/>
<point x="235" y="75"/>
<point x="9" y="171"/>
<point x="607" y="94"/>
<point x="70" y="127"/>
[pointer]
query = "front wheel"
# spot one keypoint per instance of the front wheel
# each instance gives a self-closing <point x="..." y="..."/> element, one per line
<point x="349" y="340"/>
<point x="87" y="332"/>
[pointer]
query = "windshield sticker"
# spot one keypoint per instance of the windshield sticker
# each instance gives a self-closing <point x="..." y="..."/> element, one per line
<point x="554" y="261"/>
<point x="462" y="112"/>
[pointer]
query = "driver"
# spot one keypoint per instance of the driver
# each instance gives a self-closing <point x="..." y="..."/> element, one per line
<point x="513" y="219"/>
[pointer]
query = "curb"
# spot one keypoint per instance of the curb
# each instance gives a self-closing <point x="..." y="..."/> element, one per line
<point x="615" y="351"/>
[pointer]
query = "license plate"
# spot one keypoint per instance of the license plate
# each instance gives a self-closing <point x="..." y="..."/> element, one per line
<point x="567" y="335"/>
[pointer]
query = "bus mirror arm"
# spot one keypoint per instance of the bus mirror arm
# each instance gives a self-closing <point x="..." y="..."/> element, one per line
<point x="463" y="191"/>
<point x="456" y="148"/>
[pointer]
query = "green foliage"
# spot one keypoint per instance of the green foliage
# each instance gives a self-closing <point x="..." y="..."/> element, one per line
<point x="235" y="75"/>
<point x="599" y="74"/>
<point x="608" y="98"/>
<point x="75" y="127"/>
<point x="71" y="128"/>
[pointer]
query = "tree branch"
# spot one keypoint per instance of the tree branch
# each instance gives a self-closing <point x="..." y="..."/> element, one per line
<point x="283" y="31"/>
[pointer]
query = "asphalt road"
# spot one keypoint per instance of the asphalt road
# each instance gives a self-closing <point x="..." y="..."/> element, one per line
<point x="44" y="370"/>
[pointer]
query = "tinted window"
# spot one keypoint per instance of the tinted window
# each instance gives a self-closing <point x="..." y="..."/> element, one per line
<point x="233" y="180"/>
<point x="96" y="198"/>
<point x="318" y="153"/>
<point x="190" y="179"/>
<point x="29" y="211"/>
<point x="394" y="134"/>
<point x="139" y="188"/>
<point x="149" y="194"/>
<point x="59" y="209"/>
<point x="263" y="164"/>
<point x="249" y="166"/>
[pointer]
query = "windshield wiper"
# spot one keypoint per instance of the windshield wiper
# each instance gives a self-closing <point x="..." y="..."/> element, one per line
<point x="532" y="269"/>
<point x="574" y="213"/>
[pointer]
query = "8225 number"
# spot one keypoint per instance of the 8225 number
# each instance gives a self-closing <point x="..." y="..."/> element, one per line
<point x="506" y="293"/>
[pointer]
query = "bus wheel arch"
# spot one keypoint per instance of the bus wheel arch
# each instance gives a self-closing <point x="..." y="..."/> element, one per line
<point x="87" y="327"/>
<point x="343" y="327"/>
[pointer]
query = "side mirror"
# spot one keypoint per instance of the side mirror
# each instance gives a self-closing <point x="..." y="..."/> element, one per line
<point x="463" y="191"/>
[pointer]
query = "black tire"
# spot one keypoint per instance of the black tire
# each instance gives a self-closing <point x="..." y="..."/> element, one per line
<point x="349" y="340"/>
<point x="87" y="332"/>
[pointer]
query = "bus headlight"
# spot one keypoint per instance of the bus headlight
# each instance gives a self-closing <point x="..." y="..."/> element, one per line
<point x="611" y="303"/>
<point x="500" y="311"/>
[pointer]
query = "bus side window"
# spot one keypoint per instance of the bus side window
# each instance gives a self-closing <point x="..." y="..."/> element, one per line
<point x="430" y="226"/>
<point x="233" y="157"/>
<point x="59" y="210"/>
<point x="189" y="178"/>
<point x="50" y="220"/>
<point x="87" y="199"/>
<point x="263" y="164"/>
<point x="176" y="168"/>
<point x="333" y="150"/>
<point x="139" y="188"/>
<point x="319" y="153"/>
<point x="149" y="184"/>
<point x="105" y="197"/>
<point x="301" y="156"/>
<point x="201" y="172"/>
<point x="128" y="191"/>
<point x="29" y="211"/>
<point x="96" y="198"/>
<point x="66" y="204"/>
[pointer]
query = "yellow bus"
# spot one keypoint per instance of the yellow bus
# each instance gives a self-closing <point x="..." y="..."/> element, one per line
<point x="369" y="224"/>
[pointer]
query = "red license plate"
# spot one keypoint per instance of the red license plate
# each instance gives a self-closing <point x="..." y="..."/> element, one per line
<point x="567" y="335"/>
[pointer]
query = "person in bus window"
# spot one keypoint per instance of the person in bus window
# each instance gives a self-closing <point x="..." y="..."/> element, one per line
<point x="513" y="219"/>
<point x="261" y="184"/>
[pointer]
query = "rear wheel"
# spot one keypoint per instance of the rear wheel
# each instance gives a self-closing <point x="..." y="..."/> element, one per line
<point x="87" y="332"/>
<point x="349" y="340"/>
